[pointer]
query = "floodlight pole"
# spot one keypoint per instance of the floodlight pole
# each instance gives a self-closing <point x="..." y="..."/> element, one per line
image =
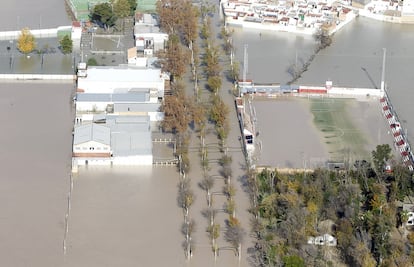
<point x="383" y="70"/>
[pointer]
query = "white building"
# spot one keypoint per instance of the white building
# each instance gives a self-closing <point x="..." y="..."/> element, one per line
<point x="113" y="140"/>
<point x="408" y="8"/>
<point x="133" y="103"/>
<point x="91" y="144"/>
<point x="323" y="240"/>
<point x="135" y="60"/>
<point x="148" y="38"/>
<point x="115" y="79"/>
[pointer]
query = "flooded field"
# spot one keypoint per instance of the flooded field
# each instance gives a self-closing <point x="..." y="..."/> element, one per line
<point x="33" y="14"/>
<point x="46" y="59"/>
<point x="125" y="217"/>
<point x="308" y="132"/>
<point x="36" y="121"/>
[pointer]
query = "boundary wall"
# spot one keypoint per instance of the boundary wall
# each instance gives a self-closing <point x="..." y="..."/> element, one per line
<point x="36" y="77"/>
<point x="40" y="33"/>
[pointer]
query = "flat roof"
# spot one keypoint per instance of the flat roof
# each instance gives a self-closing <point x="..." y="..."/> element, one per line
<point x="131" y="97"/>
<point x="130" y="135"/>
<point x="143" y="28"/>
<point x="113" y="74"/>
<point x="137" y="107"/>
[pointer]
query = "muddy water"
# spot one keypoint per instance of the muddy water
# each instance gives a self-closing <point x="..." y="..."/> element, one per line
<point x="33" y="14"/>
<point x="354" y="59"/>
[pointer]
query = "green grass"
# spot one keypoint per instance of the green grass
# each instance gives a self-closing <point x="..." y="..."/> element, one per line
<point x="343" y="139"/>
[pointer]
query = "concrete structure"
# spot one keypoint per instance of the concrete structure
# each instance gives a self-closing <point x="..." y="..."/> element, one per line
<point x="121" y="79"/>
<point x="76" y="34"/>
<point x="112" y="140"/>
<point x="37" y="33"/>
<point x="148" y="38"/>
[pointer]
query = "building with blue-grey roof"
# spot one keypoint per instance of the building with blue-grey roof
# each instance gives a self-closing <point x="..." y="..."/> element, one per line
<point x="141" y="103"/>
<point x="92" y="141"/>
<point x="113" y="140"/>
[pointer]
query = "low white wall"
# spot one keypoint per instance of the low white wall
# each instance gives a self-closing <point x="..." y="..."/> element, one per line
<point x="91" y="106"/>
<point x="42" y="33"/>
<point x="36" y="77"/>
<point x="133" y="160"/>
<point x="355" y="91"/>
<point x="93" y="161"/>
<point x="380" y="17"/>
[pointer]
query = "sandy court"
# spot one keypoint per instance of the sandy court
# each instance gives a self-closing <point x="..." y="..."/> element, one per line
<point x="36" y="122"/>
<point x="306" y="132"/>
<point x="125" y="217"/>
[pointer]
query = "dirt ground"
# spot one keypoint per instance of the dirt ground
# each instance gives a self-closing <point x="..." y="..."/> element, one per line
<point x="308" y="132"/>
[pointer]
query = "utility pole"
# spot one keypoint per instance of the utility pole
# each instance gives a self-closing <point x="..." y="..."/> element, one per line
<point x="383" y="70"/>
<point x="245" y="64"/>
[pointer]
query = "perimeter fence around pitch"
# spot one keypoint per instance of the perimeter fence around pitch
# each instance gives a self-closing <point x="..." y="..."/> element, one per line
<point x="401" y="143"/>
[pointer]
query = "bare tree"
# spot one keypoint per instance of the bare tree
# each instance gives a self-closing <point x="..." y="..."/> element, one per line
<point x="235" y="235"/>
<point x="206" y="184"/>
<point x="187" y="229"/>
<point x="210" y="213"/>
<point x="185" y="196"/>
<point x="214" y="232"/>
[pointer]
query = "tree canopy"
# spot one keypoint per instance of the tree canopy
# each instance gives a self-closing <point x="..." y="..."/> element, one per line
<point x="103" y="14"/>
<point x="66" y="44"/>
<point x="26" y="42"/>
<point x="121" y="8"/>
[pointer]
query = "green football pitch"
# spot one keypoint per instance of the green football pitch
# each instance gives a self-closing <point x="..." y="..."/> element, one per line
<point x="344" y="141"/>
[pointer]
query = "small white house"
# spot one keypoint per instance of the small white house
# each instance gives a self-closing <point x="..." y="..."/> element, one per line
<point x="323" y="240"/>
<point x="148" y="37"/>
<point x="135" y="60"/>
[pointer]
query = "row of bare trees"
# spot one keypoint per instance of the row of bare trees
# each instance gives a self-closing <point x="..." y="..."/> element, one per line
<point x="218" y="115"/>
<point x="179" y="19"/>
<point x="323" y="41"/>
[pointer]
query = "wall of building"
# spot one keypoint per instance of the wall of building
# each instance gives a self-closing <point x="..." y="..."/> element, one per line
<point x="36" y="77"/>
<point x="91" y="147"/>
<point x="97" y="87"/>
<point x="139" y="160"/>
<point x="91" y="106"/>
